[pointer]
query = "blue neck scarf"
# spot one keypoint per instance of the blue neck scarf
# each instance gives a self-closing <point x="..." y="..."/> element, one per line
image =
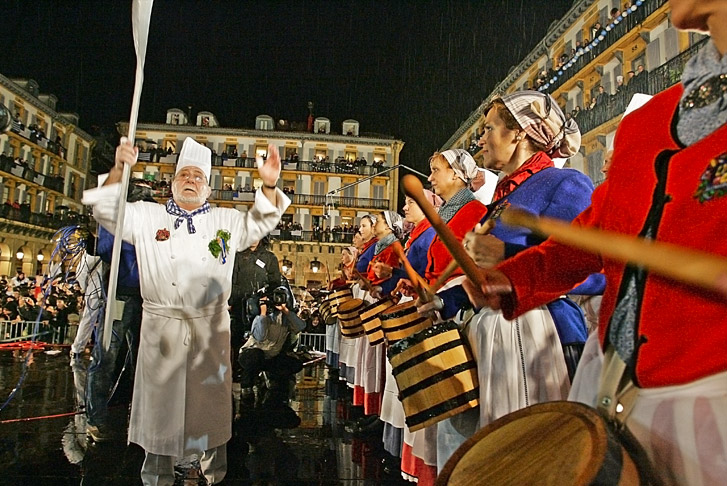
<point x="174" y="209"/>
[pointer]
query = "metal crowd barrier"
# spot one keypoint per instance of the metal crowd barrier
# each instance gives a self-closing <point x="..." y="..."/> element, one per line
<point x="16" y="331"/>
<point x="313" y="341"/>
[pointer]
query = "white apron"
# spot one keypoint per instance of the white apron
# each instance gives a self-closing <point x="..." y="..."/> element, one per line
<point x="182" y="392"/>
<point x="181" y="403"/>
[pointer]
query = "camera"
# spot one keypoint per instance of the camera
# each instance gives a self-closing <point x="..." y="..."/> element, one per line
<point x="277" y="296"/>
<point x="270" y="296"/>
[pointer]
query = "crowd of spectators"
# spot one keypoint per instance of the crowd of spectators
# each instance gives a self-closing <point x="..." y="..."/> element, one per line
<point x="597" y="34"/>
<point x="635" y="82"/>
<point x="22" y="168"/>
<point x="37" y="135"/>
<point x="288" y="230"/>
<point x="57" y="302"/>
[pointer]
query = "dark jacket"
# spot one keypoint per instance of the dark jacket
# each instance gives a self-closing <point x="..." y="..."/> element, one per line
<point x="253" y="271"/>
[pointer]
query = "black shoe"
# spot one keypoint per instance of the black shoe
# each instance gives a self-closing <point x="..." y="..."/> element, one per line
<point x="368" y="428"/>
<point x="391" y="465"/>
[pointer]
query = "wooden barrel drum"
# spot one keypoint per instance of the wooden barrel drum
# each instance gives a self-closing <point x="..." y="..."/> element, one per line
<point x="553" y="443"/>
<point x="402" y="320"/>
<point x="436" y="375"/>
<point x="349" y="315"/>
<point x="329" y="307"/>
<point x="371" y="322"/>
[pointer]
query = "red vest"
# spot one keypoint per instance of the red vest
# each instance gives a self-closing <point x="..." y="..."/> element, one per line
<point x="681" y="330"/>
<point x="438" y="257"/>
<point x="388" y="257"/>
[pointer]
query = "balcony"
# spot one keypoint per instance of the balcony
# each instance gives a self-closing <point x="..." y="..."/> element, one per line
<point x="38" y="138"/>
<point x="321" y="236"/>
<point x="46" y="224"/>
<point x="339" y="201"/>
<point x="655" y="81"/>
<point x="53" y="183"/>
<point x="598" y="46"/>
<point x="302" y="166"/>
<point x="306" y="199"/>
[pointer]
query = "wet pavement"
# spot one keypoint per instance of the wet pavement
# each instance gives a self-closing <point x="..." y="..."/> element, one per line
<point x="42" y="442"/>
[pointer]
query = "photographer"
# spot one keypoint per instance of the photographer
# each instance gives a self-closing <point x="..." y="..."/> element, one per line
<point x="27" y="308"/>
<point x="268" y="345"/>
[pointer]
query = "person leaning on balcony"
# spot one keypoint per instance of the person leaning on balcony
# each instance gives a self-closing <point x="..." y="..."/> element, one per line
<point x="669" y="338"/>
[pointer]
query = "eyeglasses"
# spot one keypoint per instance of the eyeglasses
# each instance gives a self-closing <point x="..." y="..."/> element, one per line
<point x="197" y="179"/>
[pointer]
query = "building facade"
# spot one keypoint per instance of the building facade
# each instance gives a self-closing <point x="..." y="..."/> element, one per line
<point x="44" y="168"/>
<point x="333" y="179"/>
<point x="593" y="61"/>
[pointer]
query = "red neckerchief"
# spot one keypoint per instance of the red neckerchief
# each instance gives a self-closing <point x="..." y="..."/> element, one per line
<point x="535" y="164"/>
<point x="366" y="246"/>
<point x="420" y="228"/>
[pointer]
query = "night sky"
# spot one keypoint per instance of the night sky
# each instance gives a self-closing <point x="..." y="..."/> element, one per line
<point x="411" y="69"/>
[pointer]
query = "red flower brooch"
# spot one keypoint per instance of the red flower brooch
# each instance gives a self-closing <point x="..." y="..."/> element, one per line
<point x="162" y="234"/>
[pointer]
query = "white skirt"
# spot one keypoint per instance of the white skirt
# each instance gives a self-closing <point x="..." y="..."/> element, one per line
<point x="392" y="410"/>
<point x="588" y="374"/>
<point x="682" y="429"/>
<point x="519" y="363"/>
<point x="333" y="338"/>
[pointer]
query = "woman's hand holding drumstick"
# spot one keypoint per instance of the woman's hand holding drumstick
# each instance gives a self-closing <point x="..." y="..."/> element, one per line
<point x="420" y="286"/>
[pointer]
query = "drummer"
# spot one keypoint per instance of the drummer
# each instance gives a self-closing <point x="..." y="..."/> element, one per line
<point x="521" y="363"/>
<point x="419" y="238"/>
<point x="416" y="450"/>
<point x="355" y="349"/>
<point x="389" y="228"/>
<point x="453" y="176"/>
<point x="667" y="339"/>
<point x="333" y="332"/>
<point x="368" y="241"/>
<point x="349" y="255"/>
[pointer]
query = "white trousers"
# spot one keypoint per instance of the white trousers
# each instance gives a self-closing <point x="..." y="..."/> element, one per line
<point x="159" y="470"/>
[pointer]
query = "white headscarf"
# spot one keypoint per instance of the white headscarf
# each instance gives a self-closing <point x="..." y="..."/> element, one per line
<point x="462" y="164"/>
<point x="395" y="222"/>
<point x="542" y="119"/>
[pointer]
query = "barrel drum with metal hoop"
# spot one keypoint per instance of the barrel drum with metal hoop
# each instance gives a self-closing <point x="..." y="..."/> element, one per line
<point x="436" y="375"/>
<point x="552" y="443"/>
<point x="329" y="307"/>
<point x="371" y="322"/>
<point x="402" y="320"/>
<point x="349" y="315"/>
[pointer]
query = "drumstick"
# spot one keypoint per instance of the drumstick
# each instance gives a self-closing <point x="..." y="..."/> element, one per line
<point x="484" y="229"/>
<point x="364" y="281"/>
<point x="673" y="261"/>
<point x="420" y="286"/>
<point x="414" y="189"/>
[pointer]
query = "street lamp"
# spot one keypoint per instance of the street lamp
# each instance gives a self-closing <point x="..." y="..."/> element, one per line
<point x="315" y="265"/>
<point x="40" y="257"/>
<point x="19" y="255"/>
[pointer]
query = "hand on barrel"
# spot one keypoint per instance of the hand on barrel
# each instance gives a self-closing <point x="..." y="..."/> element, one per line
<point x="382" y="270"/>
<point x="431" y="308"/>
<point x="376" y="292"/>
<point x="405" y="287"/>
<point x="486" y="250"/>
<point x="496" y="285"/>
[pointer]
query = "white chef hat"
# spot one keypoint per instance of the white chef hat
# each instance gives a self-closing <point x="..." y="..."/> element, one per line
<point x="195" y="155"/>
